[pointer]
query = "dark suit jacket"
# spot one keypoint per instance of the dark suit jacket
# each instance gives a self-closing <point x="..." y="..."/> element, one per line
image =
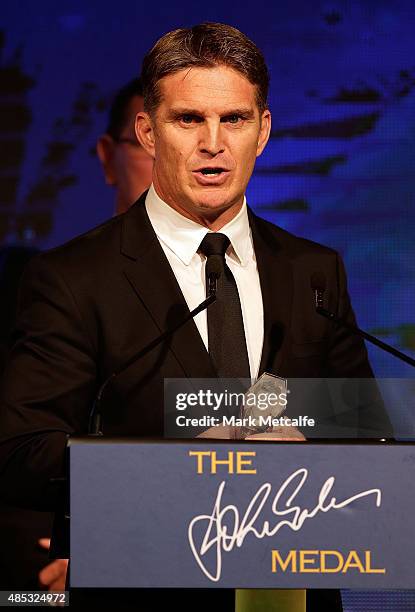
<point x="88" y="306"/>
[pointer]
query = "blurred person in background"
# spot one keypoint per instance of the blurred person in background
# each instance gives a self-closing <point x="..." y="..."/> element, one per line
<point x="127" y="166"/>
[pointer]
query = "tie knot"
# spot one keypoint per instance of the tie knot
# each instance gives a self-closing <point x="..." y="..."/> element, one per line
<point x="214" y="243"/>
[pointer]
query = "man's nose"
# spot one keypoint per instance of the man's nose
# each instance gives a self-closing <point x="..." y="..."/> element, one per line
<point x="211" y="138"/>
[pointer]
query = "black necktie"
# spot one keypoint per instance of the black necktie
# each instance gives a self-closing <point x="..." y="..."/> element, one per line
<point x="227" y="344"/>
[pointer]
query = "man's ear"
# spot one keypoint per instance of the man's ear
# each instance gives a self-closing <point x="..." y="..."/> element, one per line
<point x="144" y="129"/>
<point x="105" y="152"/>
<point x="264" y="132"/>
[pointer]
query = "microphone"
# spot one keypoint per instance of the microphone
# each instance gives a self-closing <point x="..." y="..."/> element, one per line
<point x="213" y="272"/>
<point x="95" y="417"/>
<point x="318" y="285"/>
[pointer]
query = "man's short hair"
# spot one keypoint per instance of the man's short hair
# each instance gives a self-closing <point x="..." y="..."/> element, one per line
<point x="203" y="46"/>
<point x="117" y="118"/>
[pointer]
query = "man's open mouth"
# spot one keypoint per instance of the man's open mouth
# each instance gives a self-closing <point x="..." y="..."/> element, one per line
<point x="211" y="176"/>
<point x="211" y="171"/>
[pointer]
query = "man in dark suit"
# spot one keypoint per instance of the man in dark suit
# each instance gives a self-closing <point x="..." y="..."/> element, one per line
<point x="89" y="306"/>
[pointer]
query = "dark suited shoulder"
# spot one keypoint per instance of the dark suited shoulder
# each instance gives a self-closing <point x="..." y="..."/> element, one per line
<point x="80" y="257"/>
<point x="304" y="258"/>
<point x="88" y="262"/>
<point x="301" y="259"/>
<point x="94" y="250"/>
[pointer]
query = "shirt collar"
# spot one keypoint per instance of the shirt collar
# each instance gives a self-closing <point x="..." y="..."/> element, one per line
<point x="183" y="236"/>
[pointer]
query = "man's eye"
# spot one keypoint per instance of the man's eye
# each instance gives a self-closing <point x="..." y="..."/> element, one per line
<point x="233" y="118"/>
<point x="189" y="119"/>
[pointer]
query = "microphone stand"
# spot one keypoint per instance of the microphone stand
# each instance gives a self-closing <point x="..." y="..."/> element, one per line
<point x="356" y="330"/>
<point x="95" y="425"/>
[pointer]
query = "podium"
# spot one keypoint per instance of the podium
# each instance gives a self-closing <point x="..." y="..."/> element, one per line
<point x="243" y="515"/>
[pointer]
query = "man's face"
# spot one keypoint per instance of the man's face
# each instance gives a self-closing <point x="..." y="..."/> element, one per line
<point x="205" y="137"/>
<point x="127" y="164"/>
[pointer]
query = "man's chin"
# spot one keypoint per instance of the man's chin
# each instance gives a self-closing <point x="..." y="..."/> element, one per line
<point x="213" y="203"/>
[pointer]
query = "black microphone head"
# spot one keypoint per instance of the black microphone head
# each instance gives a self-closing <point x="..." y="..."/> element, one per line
<point x="318" y="285"/>
<point x="318" y="281"/>
<point x="213" y="272"/>
<point x="213" y="268"/>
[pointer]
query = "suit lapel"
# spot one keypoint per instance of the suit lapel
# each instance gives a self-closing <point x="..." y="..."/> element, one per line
<point x="152" y="279"/>
<point x="275" y="274"/>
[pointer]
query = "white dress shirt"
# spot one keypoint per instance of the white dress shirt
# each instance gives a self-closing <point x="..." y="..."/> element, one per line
<point x="180" y="239"/>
